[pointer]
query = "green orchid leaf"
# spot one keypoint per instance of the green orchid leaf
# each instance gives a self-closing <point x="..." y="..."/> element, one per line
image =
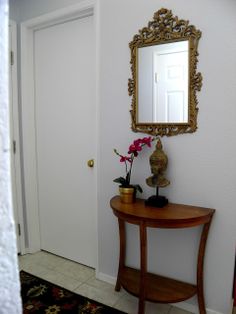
<point x="138" y="188"/>
<point x="120" y="180"/>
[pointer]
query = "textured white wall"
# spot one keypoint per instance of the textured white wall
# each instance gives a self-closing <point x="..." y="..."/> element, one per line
<point x="10" y="301"/>
<point x="201" y="165"/>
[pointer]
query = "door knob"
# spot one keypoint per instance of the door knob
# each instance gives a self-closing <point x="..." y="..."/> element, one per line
<point x="90" y="163"/>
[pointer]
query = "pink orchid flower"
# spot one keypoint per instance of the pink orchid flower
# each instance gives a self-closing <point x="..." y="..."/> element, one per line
<point x="134" y="148"/>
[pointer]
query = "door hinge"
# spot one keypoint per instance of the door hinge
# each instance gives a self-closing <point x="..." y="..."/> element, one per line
<point x="14" y="146"/>
<point x="19" y="230"/>
<point x="12" y="57"/>
<point x="156" y="77"/>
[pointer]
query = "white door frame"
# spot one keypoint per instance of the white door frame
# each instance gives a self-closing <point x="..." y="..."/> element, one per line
<point x="15" y="136"/>
<point x="83" y="9"/>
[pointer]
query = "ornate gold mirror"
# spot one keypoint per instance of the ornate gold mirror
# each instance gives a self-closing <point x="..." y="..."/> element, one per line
<point x="164" y="76"/>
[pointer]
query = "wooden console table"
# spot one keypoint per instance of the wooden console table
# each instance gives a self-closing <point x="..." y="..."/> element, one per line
<point x="151" y="287"/>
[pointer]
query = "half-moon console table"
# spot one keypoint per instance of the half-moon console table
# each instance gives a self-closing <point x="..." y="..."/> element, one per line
<point x="151" y="287"/>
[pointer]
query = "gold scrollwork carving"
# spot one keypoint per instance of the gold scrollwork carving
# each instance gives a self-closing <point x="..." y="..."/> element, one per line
<point x="166" y="28"/>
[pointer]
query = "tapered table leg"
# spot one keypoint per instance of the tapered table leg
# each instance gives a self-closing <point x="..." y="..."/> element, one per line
<point x="201" y="254"/>
<point x="143" y="267"/>
<point x="122" y="252"/>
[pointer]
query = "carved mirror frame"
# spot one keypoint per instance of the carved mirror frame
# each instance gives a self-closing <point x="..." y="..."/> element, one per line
<point x="166" y="28"/>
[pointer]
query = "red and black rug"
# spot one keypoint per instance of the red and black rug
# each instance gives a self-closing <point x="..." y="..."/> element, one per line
<point x="41" y="296"/>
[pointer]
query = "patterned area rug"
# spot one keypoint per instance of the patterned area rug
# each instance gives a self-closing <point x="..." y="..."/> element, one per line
<point x="41" y="296"/>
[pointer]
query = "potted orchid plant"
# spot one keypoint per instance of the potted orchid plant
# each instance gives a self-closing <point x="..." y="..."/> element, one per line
<point x="134" y="149"/>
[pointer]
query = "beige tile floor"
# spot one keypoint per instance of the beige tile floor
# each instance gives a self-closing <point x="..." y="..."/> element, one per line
<point x="81" y="280"/>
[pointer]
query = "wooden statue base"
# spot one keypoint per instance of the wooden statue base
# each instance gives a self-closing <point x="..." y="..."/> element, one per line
<point x="156" y="201"/>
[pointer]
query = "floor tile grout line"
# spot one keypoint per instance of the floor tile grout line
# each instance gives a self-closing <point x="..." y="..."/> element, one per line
<point x="117" y="301"/>
<point x="54" y="281"/>
<point x="71" y="277"/>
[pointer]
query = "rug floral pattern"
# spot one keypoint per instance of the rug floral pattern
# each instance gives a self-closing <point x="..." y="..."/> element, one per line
<point x="40" y="296"/>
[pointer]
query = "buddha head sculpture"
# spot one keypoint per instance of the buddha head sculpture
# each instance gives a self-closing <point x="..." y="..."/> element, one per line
<point x="158" y="163"/>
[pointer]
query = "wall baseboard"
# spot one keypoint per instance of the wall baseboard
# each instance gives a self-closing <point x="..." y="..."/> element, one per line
<point x="106" y="278"/>
<point x="182" y="305"/>
<point x="192" y="308"/>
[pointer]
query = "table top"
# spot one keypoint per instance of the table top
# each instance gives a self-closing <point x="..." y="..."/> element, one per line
<point x="169" y="216"/>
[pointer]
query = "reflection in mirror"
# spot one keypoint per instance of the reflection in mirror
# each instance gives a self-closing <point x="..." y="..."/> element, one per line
<point x="164" y="78"/>
<point x="163" y="83"/>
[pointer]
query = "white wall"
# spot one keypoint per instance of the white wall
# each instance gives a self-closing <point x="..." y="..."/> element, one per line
<point x="201" y="165"/>
<point x="21" y="10"/>
<point x="10" y="301"/>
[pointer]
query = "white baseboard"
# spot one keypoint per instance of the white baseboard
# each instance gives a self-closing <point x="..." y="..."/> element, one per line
<point x="192" y="308"/>
<point x="209" y="311"/>
<point x="182" y="305"/>
<point x="106" y="278"/>
<point x="187" y="307"/>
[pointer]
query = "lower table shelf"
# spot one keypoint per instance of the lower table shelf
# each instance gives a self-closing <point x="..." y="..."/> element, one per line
<point x="157" y="288"/>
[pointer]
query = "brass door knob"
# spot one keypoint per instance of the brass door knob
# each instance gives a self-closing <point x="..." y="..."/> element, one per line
<point x="90" y="163"/>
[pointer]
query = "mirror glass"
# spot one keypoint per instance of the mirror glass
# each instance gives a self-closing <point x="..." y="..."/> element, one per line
<point x="163" y="83"/>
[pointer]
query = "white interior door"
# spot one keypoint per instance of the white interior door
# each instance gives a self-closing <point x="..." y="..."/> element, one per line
<point x="65" y="123"/>
<point x="171" y="87"/>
